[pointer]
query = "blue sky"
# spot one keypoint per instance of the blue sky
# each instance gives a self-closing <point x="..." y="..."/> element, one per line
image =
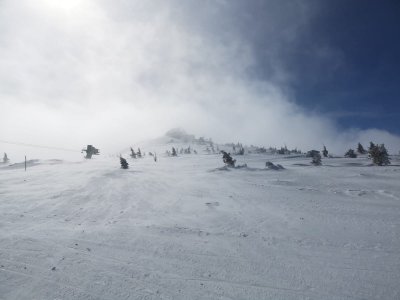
<point x="366" y="85"/>
<point x="340" y="58"/>
<point x="345" y="60"/>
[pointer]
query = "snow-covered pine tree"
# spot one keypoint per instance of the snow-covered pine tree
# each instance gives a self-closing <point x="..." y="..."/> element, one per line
<point x="325" y="152"/>
<point x="174" y="153"/>
<point x="133" y="154"/>
<point x="350" y="153"/>
<point x="139" y="153"/>
<point x="5" y="158"/>
<point x="360" y="149"/>
<point x="316" y="159"/>
<point x="378" y="154"/>
<point x="212" y="148"/>
<point x="371" y="147"/>
<point x="227" y="159"/>
<point x="124" y="163"/>
<point x="90" y="151"/>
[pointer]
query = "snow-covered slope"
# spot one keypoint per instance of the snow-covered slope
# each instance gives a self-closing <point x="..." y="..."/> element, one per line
<point x="185" y="228"/>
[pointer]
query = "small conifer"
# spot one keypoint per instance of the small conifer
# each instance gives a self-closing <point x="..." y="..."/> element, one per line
<point x="360" y="149"/>
<point x="316" y="159"/>
<point x="124" y="163"/>
<point x="378" y="154"/>
<point x="227" y="158"/>
<point x="350" y="153"/>
<point x="325" y="152"/>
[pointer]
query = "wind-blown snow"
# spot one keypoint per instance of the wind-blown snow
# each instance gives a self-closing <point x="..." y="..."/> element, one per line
<point x="185" y="228"/>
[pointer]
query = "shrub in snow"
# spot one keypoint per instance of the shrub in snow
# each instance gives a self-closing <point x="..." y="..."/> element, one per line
<point x="241" y="151"/>
<point x="378" y="154"/>
<point x="271" y="166"/>
<point x="350" y="153"/>
<point x="212" y="148"/>
<point x="360" y="149"/>
<point x="260" y="150"/>
<point x="296" y="151"/>
<point x="227" y="158"/>
<point x="124" y="163"/>
<point x="133" y="154"/>
<point x="325" y="152"/>
<point x="283" y="151"/>
<point x="90" y="150"/>
<point x="316" y="159"/>
<point x="312" y="153"/>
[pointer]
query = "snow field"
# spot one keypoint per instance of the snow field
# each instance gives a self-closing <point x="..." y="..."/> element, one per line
<point x="185" y="228"/>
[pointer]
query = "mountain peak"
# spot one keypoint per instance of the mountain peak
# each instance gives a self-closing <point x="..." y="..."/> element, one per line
<point x="179" y="134"/>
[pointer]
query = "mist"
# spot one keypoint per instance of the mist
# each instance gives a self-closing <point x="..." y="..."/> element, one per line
<point x="113" y="73"/>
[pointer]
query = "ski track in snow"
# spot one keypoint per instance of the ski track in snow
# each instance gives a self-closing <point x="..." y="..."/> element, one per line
<point x="188" y="228"/>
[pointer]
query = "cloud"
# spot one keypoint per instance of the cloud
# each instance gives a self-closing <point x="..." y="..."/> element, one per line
<point x="113" y="73"/>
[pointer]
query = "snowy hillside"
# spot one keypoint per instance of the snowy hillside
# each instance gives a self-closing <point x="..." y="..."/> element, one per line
<point x="187" y="228"/>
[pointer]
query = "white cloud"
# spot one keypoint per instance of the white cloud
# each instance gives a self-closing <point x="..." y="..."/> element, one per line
<point x="112" y="73"/>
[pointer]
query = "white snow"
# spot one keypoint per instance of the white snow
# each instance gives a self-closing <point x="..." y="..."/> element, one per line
<point x="185" y="228"/>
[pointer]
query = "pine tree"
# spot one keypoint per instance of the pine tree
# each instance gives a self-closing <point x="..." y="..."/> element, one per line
<point x="174" y="153"/>
<point x="360" y="149"/>
<point x="350" y="153"/>
<point x="124" y="163"/>
<point x="212" y="148"/>
<point x="227" y="159"/>
<point x="316" y="159"/>
<point x="325" y="152"/>
<point x="378" y="154"/>
<point x="90" y="151"/>
<point x="371" y="147"/>
<point x="5" y="158"/>
<point x="133" y="154"/>
<point x="139" y="153"/>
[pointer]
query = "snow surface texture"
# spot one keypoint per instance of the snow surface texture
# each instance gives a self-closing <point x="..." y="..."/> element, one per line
<point x="187" y="228"/>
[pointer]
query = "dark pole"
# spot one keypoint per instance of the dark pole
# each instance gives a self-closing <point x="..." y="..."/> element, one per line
<point x="25" y="163"/>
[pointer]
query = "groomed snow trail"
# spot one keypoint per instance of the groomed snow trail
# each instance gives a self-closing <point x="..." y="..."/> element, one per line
<point x="185" y="228"/>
